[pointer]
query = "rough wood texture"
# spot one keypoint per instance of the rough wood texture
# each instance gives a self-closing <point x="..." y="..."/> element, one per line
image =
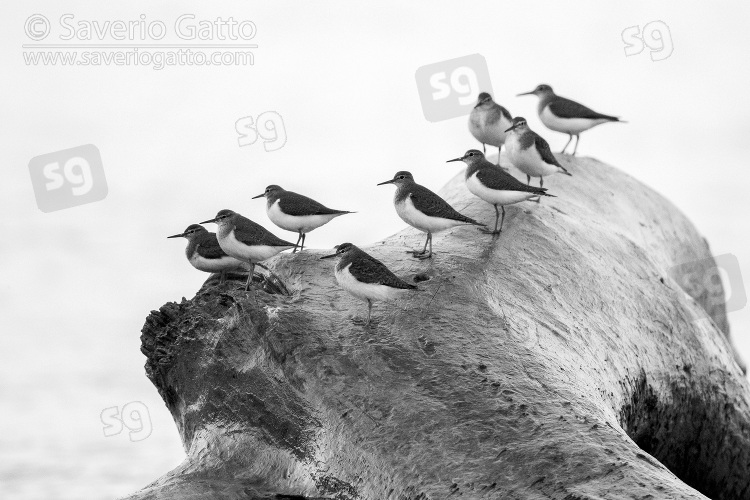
<point x="558" y="361"/>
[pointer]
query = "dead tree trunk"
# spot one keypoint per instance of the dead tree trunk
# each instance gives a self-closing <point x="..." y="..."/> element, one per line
<point x="561" y="360"/>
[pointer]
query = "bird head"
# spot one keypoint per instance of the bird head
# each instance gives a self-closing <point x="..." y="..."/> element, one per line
<point x="541" y="90"/>
<point x="340" y="250"/>
<point x="223" y="217"/>
<point x="471" y="157"/>
<point x="192" y="231"/>
<point x="401" y="178"/>
<point x="519" y="124"/>
<point x="483" y="98"/>
<point x="270" y="191"/>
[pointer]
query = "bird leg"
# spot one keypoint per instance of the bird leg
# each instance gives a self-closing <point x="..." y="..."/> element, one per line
<point x="541" y="184"/>
<point x="484" y="148"/>
<point x="427" y="255"/>
<point x="566" y="144"/>
<point x="250" y="277"/>
<point x="528" y="180"/>
<point x="222" y="277"/>
<point x="303" y="242"/>
<point x="497" y="217"/>
<point x="299" y="237"/>
<point x="578" y="138"/>
<point x="423" y="254"/>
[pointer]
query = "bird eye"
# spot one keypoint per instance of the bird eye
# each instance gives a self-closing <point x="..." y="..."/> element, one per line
<point x="402" y="177"/>
<point x="471" y="154"/>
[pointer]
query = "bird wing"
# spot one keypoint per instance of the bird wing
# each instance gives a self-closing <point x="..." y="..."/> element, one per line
<point x="368" y="269"/>
<point x="565" y="108"/>
<point x="496" y="178"/>
<point x="250" y="233"/>
<point x="433" y="205"/>
<point x="545" y="152"/>
<point x="208" y="247"/>
<point x="496" y="112"/>
<point x="296" y="204"/>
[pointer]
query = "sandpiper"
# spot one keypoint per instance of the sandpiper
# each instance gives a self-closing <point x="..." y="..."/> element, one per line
<point x="245" y="240"/>
<point x="563" y="115"/>
<point x="488" y="122"/>
<point x="205" y="254"/>
<point x="530" y="153"/>
<point x="297" y="213"/>
<point x="495" y="186"/>
<point x="421" y="208"/>
<point x="365" y="277"/>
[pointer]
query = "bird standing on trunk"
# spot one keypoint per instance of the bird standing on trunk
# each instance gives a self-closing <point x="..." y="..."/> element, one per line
<point x="247" y="241"/>
<point x="495" y="186"/>
<point x="205" y="254"/>
<point x="424" y="210"/>
<point x="567" y="116"/>
<point x="530" y="153"/>
<point x="366" y="278"/>
<point x="297" y="213"/>
<point x="488" y="122"/>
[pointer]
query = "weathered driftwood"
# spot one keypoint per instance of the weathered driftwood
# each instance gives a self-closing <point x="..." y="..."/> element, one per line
<point x="561" y="360"/>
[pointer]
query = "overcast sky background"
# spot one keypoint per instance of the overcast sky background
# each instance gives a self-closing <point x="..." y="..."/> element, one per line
<point x="79" y="282"/>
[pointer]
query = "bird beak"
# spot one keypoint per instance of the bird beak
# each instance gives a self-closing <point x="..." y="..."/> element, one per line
<point x="526" y="93"/>
<point x="455" y="159"/>
<point x="328" y="256"/>
<point x="207" y="221"/>
<point x="176" y="235"/>
<point x="261" y="195"/>
<point x="386" y="182"/>
<point x="511" y="128"/>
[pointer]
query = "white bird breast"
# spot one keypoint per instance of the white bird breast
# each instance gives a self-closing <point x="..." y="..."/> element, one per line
<point x="493" y="134"/>
<point x="568" y="125"/>
<point x="528" y="161"/>
<point x="248" y="253"/>
<point x="495" y="196"/>
<point x="296" y="223"/>
<point x="365" y="291"/>
<point x="409" y="214"/>
<point x="225" y="263"/>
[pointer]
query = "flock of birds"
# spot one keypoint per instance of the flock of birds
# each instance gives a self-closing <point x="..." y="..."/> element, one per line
<point x="241" y="244"/>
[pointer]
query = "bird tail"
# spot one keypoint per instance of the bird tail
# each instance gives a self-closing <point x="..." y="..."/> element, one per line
<point x="565" y="171"/>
